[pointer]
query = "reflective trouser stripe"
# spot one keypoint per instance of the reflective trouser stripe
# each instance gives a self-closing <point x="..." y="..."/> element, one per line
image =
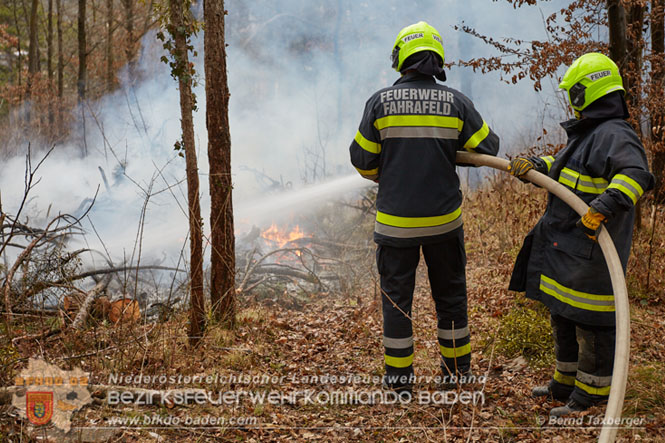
<point x="455" y="352"/>
<point x="564" y="379"/>
<point x="410" y="227"/>
<point x="605" y="390"/>
<point x="578" y="299"/>
<point x="477" y="138"/>
<point x="367" y="145"/>
<point x="628" y="186"/>
<point x="453" y="334"/>
<point x="566" y="366"/>
<point x="371" y="174"/>
<point x="397" y="343"/>
<point x="399" y="362"/>
<point x="594" y="379"/>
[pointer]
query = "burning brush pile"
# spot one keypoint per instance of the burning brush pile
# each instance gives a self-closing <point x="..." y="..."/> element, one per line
<point x="296" y="259"/>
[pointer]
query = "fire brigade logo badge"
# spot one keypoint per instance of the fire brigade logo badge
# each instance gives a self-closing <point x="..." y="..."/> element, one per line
<point x="46" y="394"/>
<point x="39" y="407"/>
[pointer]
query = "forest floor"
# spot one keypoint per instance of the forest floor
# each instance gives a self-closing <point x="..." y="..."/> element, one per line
<point x="291" y="350"/>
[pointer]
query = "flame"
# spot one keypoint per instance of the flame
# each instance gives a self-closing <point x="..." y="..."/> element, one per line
<point x="280" y="237"/>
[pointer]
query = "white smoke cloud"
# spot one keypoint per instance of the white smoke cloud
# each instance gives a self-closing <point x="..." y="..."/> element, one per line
<point x="299" y="73"/>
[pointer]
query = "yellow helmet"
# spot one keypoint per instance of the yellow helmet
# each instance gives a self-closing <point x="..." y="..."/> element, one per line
<point x="416" y="38"/>
<point x="589" y="78"/>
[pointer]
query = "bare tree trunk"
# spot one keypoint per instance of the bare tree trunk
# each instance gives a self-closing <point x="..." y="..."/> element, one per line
<point x="109" y="45"/>
<point x="632" y="72"/>
<point x="33" y="51"/>
<point x="49" y="62"/>
<point x="129" y="48"/>
<point x="222" y="279"/>
<point x="616" y="16"/>
<point x="49" y="41"/>
<point x="61" y="61"/>
<point x="632" y="77"/>
<point x="657" y="113"/>
<point x="83" y="69"/>
<point x="181" y="57"/>
<point x="18" y="44"/>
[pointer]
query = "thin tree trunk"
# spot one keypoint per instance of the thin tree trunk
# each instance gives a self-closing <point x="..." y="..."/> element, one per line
<point x="129" y="48"/>
<point x="49" y="62"/>
<point x="109" y="45"/>
<point x="181" y="56"/>
<point x="61" y="60"/>
<point x="632" y="77"/>
<point x="632" y="73"/>
<point x="49" y="41"/>
<point x="657" y="113"/>
<point x="222" y="278"/>
<point x="83" y="69"/>
<point x="33" y="51"/>
<point x="616" y="17"/>
<point x="18" y="44"/>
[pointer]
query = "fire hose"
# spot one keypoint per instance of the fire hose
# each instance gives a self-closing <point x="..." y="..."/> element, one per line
<point x="622" y="310"/>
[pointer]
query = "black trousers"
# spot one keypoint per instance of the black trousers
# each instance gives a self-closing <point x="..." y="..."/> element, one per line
<point x="584" y="361"/>
<point x="446" y="263"/>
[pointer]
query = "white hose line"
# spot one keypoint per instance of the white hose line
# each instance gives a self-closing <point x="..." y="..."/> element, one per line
<point x="622" y="349"/>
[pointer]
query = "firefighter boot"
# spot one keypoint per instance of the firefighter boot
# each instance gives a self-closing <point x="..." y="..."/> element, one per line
<point x="567" y="409"/>
<point x="541" y="391"/>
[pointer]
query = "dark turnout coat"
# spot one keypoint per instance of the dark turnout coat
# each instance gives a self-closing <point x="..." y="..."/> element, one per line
<point x="604" y="164"/>
<point x="407" y="140"/>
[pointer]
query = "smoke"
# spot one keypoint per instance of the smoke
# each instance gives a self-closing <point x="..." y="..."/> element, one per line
<point x="299" y="73"/>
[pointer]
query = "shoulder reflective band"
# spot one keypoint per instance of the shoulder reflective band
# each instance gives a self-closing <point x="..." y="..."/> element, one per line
<point x="628" y="186"/>
<point x="478" y="137"/>
<point x="455" y="352"/>
<point x="371" y="174"/>
<point x="548" y="161"/>
<point x="369" y="146"/>
<point x="398" y="362"/>
<point x="577" y="299"/>
<point x="584" y="183"/>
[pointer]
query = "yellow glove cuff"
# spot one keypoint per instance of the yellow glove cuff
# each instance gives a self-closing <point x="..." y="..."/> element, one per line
<point x="592" y="219"/>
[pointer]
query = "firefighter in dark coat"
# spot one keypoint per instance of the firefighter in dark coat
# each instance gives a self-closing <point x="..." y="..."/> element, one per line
<point x="560" y="263"/>
<point x="406" y="142"/>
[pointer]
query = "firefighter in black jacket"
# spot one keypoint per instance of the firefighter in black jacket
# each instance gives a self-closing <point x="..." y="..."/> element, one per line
<point x="406" y="142"/>
<point x="560" y="263"/>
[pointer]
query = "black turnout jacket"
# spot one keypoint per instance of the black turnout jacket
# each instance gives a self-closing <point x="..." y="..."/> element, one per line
<point x="604" y="164"/>
<point x="407" y="141"/>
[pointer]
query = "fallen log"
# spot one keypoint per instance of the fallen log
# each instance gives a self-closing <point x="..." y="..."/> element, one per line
<point x="82" y="315"/>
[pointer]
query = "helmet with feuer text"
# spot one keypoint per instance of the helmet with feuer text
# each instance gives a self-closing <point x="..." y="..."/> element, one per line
<point x="589" y="78"/>
<point x="416" y="38"/>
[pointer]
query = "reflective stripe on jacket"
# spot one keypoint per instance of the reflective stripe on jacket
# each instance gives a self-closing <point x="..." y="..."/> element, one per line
<point x="407" y="140"/>
<point x="605" y="165"/>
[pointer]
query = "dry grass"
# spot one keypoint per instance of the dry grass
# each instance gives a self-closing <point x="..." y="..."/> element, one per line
<point x="341" y="334"/>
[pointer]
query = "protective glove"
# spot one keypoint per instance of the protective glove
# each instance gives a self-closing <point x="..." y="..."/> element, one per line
<point x="520" y="166"/>
<point x="590" y="223"/>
